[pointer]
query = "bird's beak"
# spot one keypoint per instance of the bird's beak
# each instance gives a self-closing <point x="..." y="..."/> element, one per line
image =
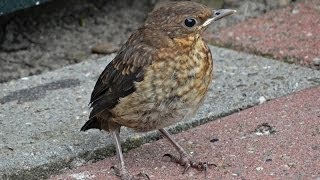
<point x="218" y="14"/>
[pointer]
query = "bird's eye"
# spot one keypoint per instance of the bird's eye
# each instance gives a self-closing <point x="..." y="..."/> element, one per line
<point x="190" y="22"/>
<point x="217" y="13"/>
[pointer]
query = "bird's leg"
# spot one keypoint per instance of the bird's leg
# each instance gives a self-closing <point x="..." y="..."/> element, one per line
<point x="185" y="159"/>
<point x="122" y="172"/>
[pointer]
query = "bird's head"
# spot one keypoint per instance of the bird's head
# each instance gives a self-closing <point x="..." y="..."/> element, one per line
<point x="184" y="18"/>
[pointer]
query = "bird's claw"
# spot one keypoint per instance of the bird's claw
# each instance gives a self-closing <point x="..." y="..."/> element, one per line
<point x="124" y="174"/>
<point x="186" y="161"/>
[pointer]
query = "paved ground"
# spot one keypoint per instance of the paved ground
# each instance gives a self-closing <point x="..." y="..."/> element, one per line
<point x="276" y="140"/>
<point x="290" y="34"/>
<point x="40" y="117"/>
<point x="60" y="33"/>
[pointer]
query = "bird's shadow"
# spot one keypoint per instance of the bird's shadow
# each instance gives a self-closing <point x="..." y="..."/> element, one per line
<point x="38" y="92"/>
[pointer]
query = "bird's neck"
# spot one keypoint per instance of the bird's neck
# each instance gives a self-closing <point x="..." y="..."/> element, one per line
<point x="187" y="41"/>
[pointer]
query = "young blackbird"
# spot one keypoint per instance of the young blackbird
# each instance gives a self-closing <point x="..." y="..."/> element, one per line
<point x="159" y="77"/>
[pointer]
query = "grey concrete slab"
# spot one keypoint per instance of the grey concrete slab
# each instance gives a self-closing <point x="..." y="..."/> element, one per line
<point x="40" y="116"/>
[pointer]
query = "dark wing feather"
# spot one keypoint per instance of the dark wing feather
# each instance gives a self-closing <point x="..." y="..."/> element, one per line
<point x="117" y="79"/>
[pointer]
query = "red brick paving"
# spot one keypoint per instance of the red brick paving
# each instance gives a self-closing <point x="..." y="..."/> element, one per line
<point x="289" y="150"/>
<point x="291" y="34"/>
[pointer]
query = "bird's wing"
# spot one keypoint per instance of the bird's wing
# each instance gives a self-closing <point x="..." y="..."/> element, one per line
<point x="117" y="79"/>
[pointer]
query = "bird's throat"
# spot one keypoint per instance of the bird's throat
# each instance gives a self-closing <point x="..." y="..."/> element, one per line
<point x="186" y="41"/>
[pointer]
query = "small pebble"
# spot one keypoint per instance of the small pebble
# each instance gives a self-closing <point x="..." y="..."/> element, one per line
<point x="259" y="168"/>
<point x="214" y="140"/>
<point x="269" y="160"/>
<point x="316" y="61"/>
<point x="262" y="99"/>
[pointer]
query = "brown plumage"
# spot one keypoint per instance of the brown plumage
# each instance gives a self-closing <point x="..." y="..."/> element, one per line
<point x="159" y="76"/>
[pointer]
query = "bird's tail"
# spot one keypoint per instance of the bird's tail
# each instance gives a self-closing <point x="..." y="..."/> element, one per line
<point x="93" y="123"/>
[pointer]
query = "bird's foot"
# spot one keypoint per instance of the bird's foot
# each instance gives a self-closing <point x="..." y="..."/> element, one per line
<point x="125" y="175"/>
<point x="186" y="161"/>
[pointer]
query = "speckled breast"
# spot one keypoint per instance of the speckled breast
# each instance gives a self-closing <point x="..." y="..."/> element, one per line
<point x="173" y="88"/>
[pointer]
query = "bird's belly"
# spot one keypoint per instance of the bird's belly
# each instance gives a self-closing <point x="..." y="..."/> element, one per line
<point x="149" y="109"/>
<point x="154" y="118"/>
<point x="170" y="91"/>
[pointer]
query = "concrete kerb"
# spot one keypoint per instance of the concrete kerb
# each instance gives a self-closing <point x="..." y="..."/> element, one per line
<point x="40" y="116"/>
